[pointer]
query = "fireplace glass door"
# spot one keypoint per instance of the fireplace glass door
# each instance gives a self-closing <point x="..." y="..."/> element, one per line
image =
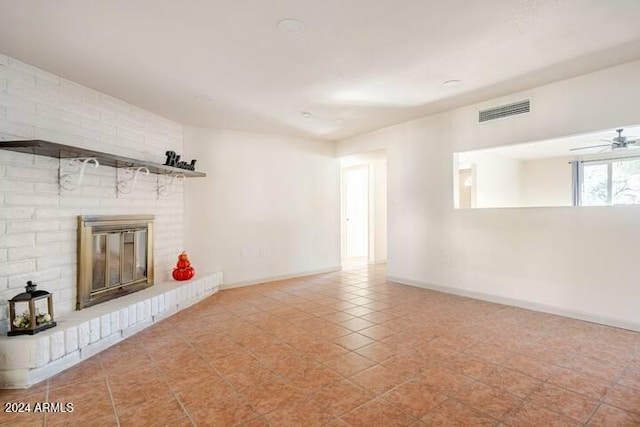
<point x="114" y="258"/>
<point x="119" y="259"/>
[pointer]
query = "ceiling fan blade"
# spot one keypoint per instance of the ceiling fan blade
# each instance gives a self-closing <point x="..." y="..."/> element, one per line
<point x="592" y="146"/>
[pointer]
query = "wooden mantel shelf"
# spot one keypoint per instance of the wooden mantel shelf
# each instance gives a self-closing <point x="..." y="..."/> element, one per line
<point x="61" y="151"/>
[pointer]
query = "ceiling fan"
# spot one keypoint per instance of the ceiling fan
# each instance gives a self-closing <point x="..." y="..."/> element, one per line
<point x="618" y="143"/>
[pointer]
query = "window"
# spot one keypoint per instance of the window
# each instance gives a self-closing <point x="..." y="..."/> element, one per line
<point x="591" y="169"/>
<point x="609" y="182"/>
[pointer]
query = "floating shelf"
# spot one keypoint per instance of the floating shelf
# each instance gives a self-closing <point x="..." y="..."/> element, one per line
<point x="61" y="151"/>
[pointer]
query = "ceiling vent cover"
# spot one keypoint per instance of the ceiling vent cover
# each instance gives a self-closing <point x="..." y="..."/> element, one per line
<point x="513" y="109"/>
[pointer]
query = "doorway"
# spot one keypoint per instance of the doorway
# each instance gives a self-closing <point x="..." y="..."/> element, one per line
<point x="466" y="188"/>
<point x="355" y="204"/>
<point x="364" y="208"/>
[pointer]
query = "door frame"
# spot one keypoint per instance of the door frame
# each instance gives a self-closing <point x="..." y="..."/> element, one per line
<point x="343" y="209"/>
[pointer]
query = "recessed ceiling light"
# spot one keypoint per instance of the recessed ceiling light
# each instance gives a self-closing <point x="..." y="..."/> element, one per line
<point x="290" y="25"/>
<point x="452" y="83"/>
<point x="306" y="114"/>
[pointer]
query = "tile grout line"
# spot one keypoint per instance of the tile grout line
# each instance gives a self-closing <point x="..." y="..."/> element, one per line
<point x="46" y="399"/>
<point x="183" y="407"/>
<point x="173" y="391"/>
<point x="213" y="368"/>
<point x="113" y="403"/>
<point x="593" y="413"/>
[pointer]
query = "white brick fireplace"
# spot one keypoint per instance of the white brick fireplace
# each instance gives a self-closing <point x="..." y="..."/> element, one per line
<point x="28" y="359"/>
<point x="38" y="220"/>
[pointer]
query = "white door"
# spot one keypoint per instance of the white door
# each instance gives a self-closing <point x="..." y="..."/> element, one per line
<point x="356" y="212"/>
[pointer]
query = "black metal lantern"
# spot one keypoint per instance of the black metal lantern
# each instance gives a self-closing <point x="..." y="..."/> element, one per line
<point x="35" y="311"/>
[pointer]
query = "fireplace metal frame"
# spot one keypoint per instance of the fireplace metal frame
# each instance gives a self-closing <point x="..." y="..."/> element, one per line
<point x="86" y="297"/>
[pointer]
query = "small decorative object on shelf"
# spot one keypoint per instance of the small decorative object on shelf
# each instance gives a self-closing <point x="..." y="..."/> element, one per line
<point x="173" y="159"/>
<point x="183" y="270"/>
<point x="36" y="308"/>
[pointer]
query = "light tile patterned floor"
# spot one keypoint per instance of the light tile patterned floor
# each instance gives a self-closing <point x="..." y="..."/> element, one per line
<point x="347" y="348"/>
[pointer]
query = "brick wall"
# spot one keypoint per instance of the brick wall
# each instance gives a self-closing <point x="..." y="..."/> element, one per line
<point x="37" y="219"/>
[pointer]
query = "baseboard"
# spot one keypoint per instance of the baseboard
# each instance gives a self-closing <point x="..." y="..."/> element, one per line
<point x="377" y="261"/>
<point x="281" y="277"/>
<point x="529" y="305"/>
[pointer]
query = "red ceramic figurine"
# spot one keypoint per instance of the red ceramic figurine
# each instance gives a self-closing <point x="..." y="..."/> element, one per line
<point x="183" y="270"/>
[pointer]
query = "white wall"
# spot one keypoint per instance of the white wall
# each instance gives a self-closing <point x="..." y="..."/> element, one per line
<point x="502" y="181"/>
<point x="578" y="261"/>
<point x="547" y="182"/>
<point x="268" y="208"/>
<point x="498" y="181"/>
<point x="378" y="201"/>
<point x="37" y="221"/>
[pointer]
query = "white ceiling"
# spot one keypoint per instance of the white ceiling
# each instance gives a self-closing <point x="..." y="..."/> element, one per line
<point x="359" y="65"/>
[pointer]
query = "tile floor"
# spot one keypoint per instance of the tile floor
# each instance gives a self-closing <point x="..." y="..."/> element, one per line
<point x="349" y="349"/>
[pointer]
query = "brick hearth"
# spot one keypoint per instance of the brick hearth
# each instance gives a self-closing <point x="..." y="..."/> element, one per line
<point x="28" y="359"/>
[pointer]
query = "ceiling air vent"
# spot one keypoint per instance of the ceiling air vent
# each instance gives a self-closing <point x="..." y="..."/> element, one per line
<point x="520" y="107"/>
